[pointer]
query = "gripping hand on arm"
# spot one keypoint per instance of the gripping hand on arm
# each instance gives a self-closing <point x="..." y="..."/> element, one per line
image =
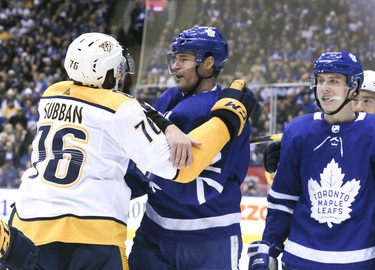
<point x="229" y="116"/>
<point x="262" y="256"/>
<point x="16" y="250"/>
<point x="181" y="145"/>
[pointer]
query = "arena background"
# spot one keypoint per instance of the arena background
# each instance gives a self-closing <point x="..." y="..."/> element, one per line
<point x="272" y="45"/>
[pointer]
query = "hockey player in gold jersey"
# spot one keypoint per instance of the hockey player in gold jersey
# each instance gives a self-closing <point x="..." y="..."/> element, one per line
<point x="73" y="201"/>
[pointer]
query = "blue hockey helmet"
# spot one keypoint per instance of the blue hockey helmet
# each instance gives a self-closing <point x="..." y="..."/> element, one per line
<point x="344" y="62"/>
<point x="203" y="41"/>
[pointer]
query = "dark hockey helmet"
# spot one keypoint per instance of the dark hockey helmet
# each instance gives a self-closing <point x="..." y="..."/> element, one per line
<point x="203" y="41"/>
<point x="343" y="62"/>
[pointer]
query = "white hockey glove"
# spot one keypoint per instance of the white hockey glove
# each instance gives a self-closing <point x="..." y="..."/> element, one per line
<point x="260" y="258"/>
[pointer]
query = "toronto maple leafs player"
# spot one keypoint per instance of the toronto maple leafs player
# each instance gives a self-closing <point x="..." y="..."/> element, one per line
<point x="195" y="225"/>
<point x="321" y="199"/>
<point x="364" y="102"/>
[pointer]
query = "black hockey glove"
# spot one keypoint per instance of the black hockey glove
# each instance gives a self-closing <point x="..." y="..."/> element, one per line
<point x="16" y="250"/>
<point x="155" y="116"/>
<point x="271" y="157"/>
<point x="262" y="256"/>
<point x="234" y="107"/>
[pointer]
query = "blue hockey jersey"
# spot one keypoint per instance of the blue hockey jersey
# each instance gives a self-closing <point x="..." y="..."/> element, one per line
<point x="208" y="208"/>
<point x="323" y="195"/>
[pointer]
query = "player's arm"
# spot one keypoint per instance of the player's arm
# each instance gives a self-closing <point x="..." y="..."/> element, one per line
<point x="181" y="153"/>
<point x="16" y="250"/>
<point x="230" y="114"/>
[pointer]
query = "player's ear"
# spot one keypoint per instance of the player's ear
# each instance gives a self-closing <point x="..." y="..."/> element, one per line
<point x="209" y="62"/>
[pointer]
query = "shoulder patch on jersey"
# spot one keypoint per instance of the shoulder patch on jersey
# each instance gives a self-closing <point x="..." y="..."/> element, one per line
<point x="106" y="98"/>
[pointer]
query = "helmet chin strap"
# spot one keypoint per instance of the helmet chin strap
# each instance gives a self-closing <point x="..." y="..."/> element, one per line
<point x="346" y="101"/>
<point x="200" y="78"/>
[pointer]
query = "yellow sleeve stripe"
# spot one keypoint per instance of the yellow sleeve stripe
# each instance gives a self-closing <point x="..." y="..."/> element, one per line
<point x="234" y="106"/>
<point x="103" y="97"/>
<point x="213" y="135"/>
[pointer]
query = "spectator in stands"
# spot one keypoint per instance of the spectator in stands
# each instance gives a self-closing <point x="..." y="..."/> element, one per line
<point x="8" y="153"/>
<point x="137" y="19"/>
<point x="250" y="188"/>
<point x="10" y="174"/>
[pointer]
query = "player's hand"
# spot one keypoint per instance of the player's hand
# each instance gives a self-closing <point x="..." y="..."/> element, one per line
<point x="271" y="156"/>
<point x="181" y="147"/>
<point x="234" y="107"/>
<point x="16" y="250"/>
<point x="259" y="258"/>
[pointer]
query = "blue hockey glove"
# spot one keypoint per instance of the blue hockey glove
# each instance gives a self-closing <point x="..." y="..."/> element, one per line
<point x="259" y="256"/>
<point x="234" y="107"/>
<point x="16" y="250"/>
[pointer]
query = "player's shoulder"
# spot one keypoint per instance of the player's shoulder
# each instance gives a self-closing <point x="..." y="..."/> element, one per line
<point x="304" y="119"/>
<point x="98" y="97"/>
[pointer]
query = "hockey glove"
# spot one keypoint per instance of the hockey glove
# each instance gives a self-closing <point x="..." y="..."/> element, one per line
<point x="260" y="258"/>
<point x="155" y="116"/>
<point x="16" y="250"/>
<point x="234" y="107"/>
<point x="271" y="157"/>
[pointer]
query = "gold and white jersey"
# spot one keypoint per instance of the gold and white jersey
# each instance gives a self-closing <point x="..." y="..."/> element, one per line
<point x="81" y="152"/>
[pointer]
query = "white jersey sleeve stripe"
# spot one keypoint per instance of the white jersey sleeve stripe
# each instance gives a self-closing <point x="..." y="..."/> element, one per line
<point x="321" y="256"/>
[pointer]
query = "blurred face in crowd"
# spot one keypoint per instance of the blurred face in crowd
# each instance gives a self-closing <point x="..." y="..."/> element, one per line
<point x="364" y="102"/>
<point x="332" y="90"/>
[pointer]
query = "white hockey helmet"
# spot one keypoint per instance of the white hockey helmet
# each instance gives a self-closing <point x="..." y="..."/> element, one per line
<point x="97" y="60"/>
<point x="368" y="80"/>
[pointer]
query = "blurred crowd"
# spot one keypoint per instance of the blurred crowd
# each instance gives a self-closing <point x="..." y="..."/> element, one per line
<point x="270" y="42"/>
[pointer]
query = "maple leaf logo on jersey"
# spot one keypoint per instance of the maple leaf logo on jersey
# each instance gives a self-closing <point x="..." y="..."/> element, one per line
<point x="331" y="200"/>
<point x="106" y="45"/>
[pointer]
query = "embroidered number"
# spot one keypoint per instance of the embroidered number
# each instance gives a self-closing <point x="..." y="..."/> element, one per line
<point x="142" y="125"/>
<point x="64" y="158"/>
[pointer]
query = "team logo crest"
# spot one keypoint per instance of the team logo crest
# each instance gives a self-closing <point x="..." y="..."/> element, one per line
<point x="335" y="128"/>
<point x="210" y="32"/>
<point x="106" y="46"/>
<point x="331" y="199"/>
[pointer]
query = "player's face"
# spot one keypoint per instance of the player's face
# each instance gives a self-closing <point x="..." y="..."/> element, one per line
<point x="364" y="102"/>
<point x="184" y="66"/>
<point x="332" y="90"/>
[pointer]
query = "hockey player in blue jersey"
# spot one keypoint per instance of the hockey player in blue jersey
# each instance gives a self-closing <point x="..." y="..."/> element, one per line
<point x="320" y="204"/>
<point x="195" y="225"/>
<point x="364" y="102"/>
